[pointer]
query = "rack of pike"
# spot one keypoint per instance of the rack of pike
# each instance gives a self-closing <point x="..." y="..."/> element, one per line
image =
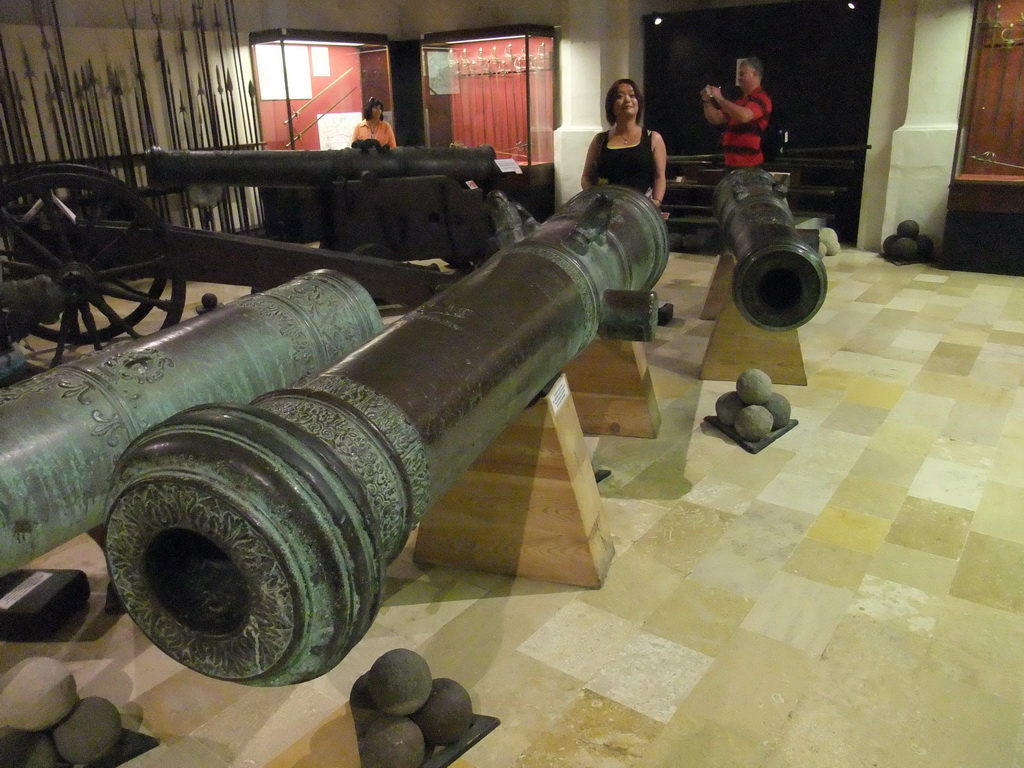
<point x="186" y="86"/>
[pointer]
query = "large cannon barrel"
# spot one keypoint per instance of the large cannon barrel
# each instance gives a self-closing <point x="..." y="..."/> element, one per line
<point x="779" y="281"/>
<point x="315" y="168"/>
<point x="62" y="430"/>
<point x="250" y="542"/>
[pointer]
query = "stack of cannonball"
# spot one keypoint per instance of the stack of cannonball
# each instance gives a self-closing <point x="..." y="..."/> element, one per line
<point x="753" y="410"/>
<point x="828" y="242"/>
<point x="47" y="723"/>
<point x="908" y="244"/>
<point x="402" y="713"/>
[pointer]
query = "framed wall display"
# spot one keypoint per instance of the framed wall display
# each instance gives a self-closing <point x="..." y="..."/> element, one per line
<point x="311" y="85"/>
<point x="493" y="86"/>
<point x="985" y="211"/>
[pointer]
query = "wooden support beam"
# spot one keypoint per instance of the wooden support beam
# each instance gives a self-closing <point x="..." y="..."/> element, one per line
<point x="528" y="506"/>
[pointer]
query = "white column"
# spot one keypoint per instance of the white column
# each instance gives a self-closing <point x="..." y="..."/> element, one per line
<point x="923" y="148"/>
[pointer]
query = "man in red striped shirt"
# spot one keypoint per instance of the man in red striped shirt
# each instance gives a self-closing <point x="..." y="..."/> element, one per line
<point x="744" y="120"/>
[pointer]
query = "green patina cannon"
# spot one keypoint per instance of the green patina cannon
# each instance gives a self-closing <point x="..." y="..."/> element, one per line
<point x="62" y="431"/>
<point x="779" y="281"/>
<point x="249" y="542"/>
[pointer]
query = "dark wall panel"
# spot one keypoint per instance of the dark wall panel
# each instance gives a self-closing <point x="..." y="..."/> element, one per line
<point x="819" y="66"/>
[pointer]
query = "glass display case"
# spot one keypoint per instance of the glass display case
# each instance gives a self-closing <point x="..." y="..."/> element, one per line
<point x="311" y="85"/>
<point x="991" y="139"/>
<point x="492" y="86"/>
<point x="985" y="211"/>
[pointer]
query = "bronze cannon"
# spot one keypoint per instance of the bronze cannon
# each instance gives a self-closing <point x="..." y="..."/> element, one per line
<point x="779" y="281"/>
<point x="62" y="430"/>
<point x="249" y="542"/>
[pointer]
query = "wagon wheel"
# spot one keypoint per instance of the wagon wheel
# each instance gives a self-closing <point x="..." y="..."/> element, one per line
<point x="99" y="242"/>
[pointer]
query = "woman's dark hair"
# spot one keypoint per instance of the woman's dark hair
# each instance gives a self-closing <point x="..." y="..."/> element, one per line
<point x="370" y="104"/>
<point x="609" y="100"/>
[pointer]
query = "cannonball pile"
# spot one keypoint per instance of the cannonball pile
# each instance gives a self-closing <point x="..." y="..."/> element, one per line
<point x="828" y="242"/>
<point x="402" y="713"/>
<point x="908" y="244"/>
<point x="753" y="409"/>
<point x="47" y="722"/>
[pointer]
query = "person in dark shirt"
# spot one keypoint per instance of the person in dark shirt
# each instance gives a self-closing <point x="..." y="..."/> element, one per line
<point x="627" y="154"/>
<point x="745" y="120"/>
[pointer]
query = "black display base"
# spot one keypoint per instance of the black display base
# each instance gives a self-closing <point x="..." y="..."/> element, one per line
<point x="445" y="756"/>
<point x="748" y="445"/>
<point x="35" y="604"/>
<point x="131" y="745"/>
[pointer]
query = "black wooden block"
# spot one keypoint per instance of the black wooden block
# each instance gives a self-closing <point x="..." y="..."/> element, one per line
<point x="35" y="604"/>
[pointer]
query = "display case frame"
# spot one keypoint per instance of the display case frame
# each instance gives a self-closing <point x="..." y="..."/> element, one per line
<point x="299" y="72"/>
<point x="497" y="86"/>
<point x="985" y="209"/>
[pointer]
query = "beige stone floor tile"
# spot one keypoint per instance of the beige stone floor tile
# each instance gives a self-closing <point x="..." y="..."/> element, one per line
<point x="628" y="520"/>
<point x="690" y="740"/>
<point x="974" y="423"/>
<point x="924" y="341"/>
<point x="651" y="675"/>
<point x="954" y="359"/>
<point x="424" y="606"/>
<point x="746" y="474"/>
<point x="798" y="612"/>
<point x="186" y="751"/>
<point x="913" y="567"/>
<point x="1001" y="511"/>
<point x="186" y="701"/>
<point x="579" y="640"/>
<point x="887" y="465"/>
<point x="950" y="483"/>
<point x="856" y="418"/>
<point x="998" y="373"/>
<point x="849" y="529"/>
<point x="991" y="572"/>
<point x="827" y="563"/>
<point x="804" y="493"/>
<point x="751" y="687"/>
<point x="596" y="731"/>
<point x="636" y="585"/>
<point x="931" y="527"/>
<point x="924" y="411"/>
<point x="875" y="392"/>
<point x="699" y="616"/>
<point x="902" y="607"/>
<point x="949" y="448"/>
<point x="683" y="536"/>
<point x="753" y="549"/>
<point x="864" y="493"/>
<point x="980" y="646"/>
<point x="901" y="435"/>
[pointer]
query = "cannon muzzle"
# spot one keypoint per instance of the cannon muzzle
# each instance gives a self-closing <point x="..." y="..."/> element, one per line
<point x="779" y="281"/>
<point x="250" y="542"/>
<point x="62" y="431"/>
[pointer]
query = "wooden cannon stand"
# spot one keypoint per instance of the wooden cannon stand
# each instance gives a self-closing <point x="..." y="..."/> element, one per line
<point x="736" y="344"/>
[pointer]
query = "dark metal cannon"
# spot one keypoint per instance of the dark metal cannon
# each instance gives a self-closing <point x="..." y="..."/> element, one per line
<point x="250" y="542"/>
<point x="316" y="168"/>
<point x="62" y="430"/>
<point x="409" y="203"/>
<point x="779" y="281"/>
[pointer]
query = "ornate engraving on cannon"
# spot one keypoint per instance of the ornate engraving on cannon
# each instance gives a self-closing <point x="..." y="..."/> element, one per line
<point x="63" y="430"/>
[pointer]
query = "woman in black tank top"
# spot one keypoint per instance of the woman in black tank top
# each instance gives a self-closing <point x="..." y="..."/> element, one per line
<point x="626" y="155"/>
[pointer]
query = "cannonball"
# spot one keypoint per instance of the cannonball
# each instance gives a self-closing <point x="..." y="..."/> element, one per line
<point x="828" y="236"/>
<point x="391" y="741"/>
<point x="91" y="730"/>
<point x="887" y="244"/>
<point x="399" y="682"/>
<point x="447" y="714"/>
<point x="925" y="246"/>
<point x="754" y="423"/>
<point x="904" y="249"/>
<point x="727" y="406"/>
<point x="27" y="749"/>
<point x="753" y="386"/>
<point x="780" y="409"/>
<point x="364" y="710"/>
<point x="908" y="228"/>
<point x="36" y="694"/>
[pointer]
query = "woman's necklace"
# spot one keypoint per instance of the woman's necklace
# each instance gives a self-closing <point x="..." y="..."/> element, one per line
<point x="625" y="138"/>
